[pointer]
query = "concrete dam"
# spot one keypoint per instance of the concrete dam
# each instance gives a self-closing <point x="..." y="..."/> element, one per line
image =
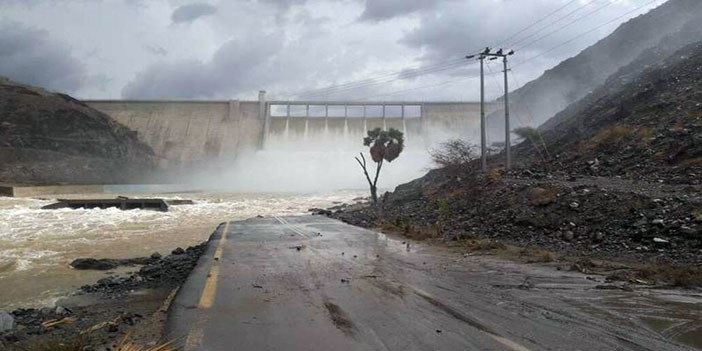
<point x="183" y="132"/>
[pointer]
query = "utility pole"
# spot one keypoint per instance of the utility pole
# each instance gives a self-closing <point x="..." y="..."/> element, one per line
<point x="483" y="140"/>
<point x="508" y="144"/>
<point x="483" y="137"/>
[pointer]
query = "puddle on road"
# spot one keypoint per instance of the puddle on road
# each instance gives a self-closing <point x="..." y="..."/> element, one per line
<point x="674" y="316"/>
<point x="659" y="325"/>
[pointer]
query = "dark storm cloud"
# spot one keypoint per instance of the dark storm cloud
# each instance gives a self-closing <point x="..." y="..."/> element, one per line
<point x="240" y="64"/>
<point x="29" y="56"/>
<point x="189" y="13"/>
<point x="459" y="28"/>
<point x="380" y="10"/>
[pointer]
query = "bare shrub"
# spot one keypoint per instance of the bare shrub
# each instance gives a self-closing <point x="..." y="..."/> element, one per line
<point x="528" y="133"/>
<point x="534" y="138"/>
<point x="454" y="154"/>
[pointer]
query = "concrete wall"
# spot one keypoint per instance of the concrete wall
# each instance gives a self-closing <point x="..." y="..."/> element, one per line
<point x="184" y="132"/>
<point x="188" y="131"/>
<point x="444" y="120"/>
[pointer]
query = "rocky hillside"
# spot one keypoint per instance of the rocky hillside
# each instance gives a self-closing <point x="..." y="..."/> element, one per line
<point x="641" y="127"/>
<point x="617" y="177"/>
<point x="48" y="138"/>
<point x="647" y="60"/>
<point x="574" y="78"/>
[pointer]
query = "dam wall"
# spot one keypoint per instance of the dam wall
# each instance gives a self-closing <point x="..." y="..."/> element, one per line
<point x="185" y="132"/>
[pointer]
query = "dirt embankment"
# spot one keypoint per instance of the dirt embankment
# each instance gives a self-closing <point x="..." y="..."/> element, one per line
<point x="48" y="138"/>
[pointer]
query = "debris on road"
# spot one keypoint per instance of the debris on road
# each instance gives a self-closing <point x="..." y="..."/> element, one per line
<point x="526" y="284"/>
<point x="58" y="322"/>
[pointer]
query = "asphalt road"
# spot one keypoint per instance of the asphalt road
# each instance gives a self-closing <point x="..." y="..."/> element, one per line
<point x="312" y="283"/>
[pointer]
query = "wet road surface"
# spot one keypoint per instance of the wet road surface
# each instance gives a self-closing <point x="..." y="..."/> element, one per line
<point x="313" y="283"/>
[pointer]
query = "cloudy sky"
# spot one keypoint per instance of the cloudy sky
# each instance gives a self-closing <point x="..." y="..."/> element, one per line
<point x="221" y="49"/>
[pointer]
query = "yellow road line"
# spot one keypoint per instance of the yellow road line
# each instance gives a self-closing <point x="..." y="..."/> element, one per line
<point x="207" y="296"/>
<point x="209" y="292"/>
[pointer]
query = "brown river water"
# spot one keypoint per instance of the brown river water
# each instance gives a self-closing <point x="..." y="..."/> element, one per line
<point x="36" y="246"/>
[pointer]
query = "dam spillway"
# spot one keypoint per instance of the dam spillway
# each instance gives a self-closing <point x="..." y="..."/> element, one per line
<point x="187" y="131"/>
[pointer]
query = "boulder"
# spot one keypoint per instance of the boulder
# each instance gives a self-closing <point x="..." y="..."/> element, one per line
<point x="568" y="236"/>
<point x="111" y="281"/>
<point x="63" y="311"/>
<point x="320" y="211"/>
<point x="94" y="264"/>
<point x="689" y="232"/>
<point x="660" y="242"/>
<point x="597" y="237"/>
<point x="541" y="197"/>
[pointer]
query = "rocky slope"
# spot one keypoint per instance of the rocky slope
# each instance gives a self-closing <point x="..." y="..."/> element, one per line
<point x="48" y="138"/>
<point x="618" y="178"/>
<point x="643" y="128"/>
<point x="647" y="60"/>
<point x="574" y="78"/>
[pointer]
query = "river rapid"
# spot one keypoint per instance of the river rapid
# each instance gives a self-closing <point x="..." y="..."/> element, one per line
<point x="36" y="246"/>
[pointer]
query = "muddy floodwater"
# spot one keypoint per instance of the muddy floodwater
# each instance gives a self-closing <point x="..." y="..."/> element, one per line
<point x="37" y="245"/>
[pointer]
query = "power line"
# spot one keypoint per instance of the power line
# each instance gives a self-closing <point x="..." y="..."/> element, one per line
<point x="492" y="74"/>
<point x="415" y="88"/>
<point x="487" y="54"/>
<point x="455" y="63"/>
<point x="373" y="79"/>
<point x="552" y="23"/>
<point x="442" y="83"/>
<point x="531" y="117"/>
<point x="497" y="85"/>
<point x="567" y="25"/>
<point x="585" y="33"/>
<point x="400" y="75"/>
<point x="535" y="23"/>
<point x="543" y="53"/>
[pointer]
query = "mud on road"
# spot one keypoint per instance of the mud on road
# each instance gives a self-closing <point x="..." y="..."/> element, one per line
<point x="314" y="283"/>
